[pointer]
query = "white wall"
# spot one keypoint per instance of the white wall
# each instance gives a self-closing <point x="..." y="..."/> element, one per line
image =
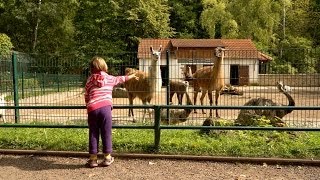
<point x="253" y="68"/>
<point x="176" y="70"/>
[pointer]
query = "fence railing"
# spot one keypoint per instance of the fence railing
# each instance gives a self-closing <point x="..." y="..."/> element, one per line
<point x="37" y="81"/>
<point x="157" y="126"/>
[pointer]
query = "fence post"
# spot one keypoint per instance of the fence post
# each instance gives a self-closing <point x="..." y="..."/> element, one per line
<point x="157" y="129"/>
<point x="43" y="80"/>
<point x="15" y="87"/>
<point x="168" y="84"/>
<point x="58" y="83"/>
<point x="22" y="84"/>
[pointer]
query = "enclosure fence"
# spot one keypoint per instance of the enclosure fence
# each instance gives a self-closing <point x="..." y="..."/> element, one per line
<point x="46" y="90"/>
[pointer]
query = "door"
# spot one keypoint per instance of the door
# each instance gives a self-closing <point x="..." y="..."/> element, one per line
<point x="234" y="74"/>
<point x="243" y="75"/>
<point x="164" y="73"/>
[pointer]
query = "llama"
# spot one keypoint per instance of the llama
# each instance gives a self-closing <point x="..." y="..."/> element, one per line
<point x="176" y="116"/>
<point x="208" y="79"/>
<point x="247" y="116"/>
<point x="147" y="84"/>
<point x="188" y="76"/>
<point x="178" y="87"/>
<point x="2" y="111"/>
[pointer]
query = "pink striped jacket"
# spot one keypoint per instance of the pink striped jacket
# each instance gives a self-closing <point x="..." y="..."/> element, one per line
<point x="98" y="89"/>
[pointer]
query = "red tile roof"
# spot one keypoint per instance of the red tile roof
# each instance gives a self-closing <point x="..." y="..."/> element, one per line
<point x="243" y="49"/>
<point x="197" y="43"/>
<point x="145" y="44"/>
<point x="239" y="44"/>
<point x="264" y="57"/>
<point x="235" y="48"/>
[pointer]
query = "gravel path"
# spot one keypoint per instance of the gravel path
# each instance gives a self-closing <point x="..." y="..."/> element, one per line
<point x="13" y="167"/>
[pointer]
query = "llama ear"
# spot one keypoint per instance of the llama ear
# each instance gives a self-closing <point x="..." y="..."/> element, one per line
<point x="160" y="48"/>
<point x="151" y="48"/>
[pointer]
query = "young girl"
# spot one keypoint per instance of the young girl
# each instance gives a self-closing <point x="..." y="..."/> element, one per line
<point x="98" y="98"/>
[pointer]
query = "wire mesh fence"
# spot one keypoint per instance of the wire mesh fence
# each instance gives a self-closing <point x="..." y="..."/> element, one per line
<point x="242" y="75"/>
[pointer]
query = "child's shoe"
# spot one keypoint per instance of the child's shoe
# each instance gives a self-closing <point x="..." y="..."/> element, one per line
<point x="107" y="161"/>
<point x="92" y="163"/>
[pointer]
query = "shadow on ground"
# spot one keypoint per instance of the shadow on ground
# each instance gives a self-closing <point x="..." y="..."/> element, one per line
<point x="34" y="163"/>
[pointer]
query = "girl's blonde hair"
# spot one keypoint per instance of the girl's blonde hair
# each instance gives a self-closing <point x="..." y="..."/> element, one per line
<point x="98" y="64"/>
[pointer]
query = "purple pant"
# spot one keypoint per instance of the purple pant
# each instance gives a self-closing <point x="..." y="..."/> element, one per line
<point x="100" y="122"/>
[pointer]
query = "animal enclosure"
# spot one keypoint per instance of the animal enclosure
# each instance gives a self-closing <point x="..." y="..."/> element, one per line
<point x="48" y="80"/>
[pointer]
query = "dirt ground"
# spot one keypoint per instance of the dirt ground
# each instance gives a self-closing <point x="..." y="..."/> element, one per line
<point x="303" y="96"/>
<point x="15" y="167"/>
<point x="40" y="167"/>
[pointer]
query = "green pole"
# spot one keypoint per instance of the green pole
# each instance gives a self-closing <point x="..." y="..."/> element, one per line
<point x="157" y="129"/>
<point x="168" y="84"/>
<point x="42" y="89"/>
<point x="58" y="82"/>
<point x="15" y="87"/>
<point x="22" y="84"/>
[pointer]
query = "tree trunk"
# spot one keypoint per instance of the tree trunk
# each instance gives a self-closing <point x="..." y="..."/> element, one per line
<point x="35" y="31"/>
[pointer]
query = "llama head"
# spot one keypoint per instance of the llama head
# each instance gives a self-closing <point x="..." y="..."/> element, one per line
<point x="219" y="52"/>
<point x="129" y="71"/>
<point x="156" y="53"/>
<point x="186" y="83"/>
<point x="188" y="74"/>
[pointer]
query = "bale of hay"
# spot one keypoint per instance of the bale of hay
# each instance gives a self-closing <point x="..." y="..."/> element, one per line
<point x="228" y="89"/>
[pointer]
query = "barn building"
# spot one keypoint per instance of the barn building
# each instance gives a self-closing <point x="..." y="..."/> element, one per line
<point x="242" y="60"/>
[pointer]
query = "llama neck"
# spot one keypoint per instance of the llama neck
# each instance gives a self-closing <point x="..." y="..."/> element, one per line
<point x="218" y="66"/>
<point x="218" y="73"/>
<point x="189" y="102"/>
<point x="155" y="75"/>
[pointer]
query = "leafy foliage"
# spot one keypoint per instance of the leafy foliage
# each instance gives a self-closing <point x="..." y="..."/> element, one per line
<point x="83" y="28"/>
<point x="282" y="68"/>
<point x="184" y="17"/>
<point x="5" y="44"/>
<point x="101" y="24"/>
<point x="39" y="26"/>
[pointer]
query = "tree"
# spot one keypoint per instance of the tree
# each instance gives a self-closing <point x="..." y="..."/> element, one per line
<point x="38" y="26"/>
<point x="314" y="15"/>
<point x="113" y="26"/>
<point x="184" y="18"/>
<point x="297" y="18"/>
<point x="258" y="20"/>
<point x="217" y="20"/>
<point x="5" y="45"/>
<point x="297" y="52"/>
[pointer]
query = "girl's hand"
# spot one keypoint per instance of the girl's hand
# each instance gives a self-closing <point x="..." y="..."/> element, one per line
<point x="133" y="76"/>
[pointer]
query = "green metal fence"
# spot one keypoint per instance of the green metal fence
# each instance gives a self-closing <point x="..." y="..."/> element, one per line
<point x="47" y="91"/>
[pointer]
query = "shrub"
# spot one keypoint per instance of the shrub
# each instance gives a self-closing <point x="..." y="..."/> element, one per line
<point x="5" y="44"/>
<point x="29" y="83"/>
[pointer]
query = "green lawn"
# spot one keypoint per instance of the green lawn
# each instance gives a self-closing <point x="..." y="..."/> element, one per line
<point x="183" y="142"/>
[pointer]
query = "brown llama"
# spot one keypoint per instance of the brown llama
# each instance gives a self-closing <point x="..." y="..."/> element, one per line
<point x="208" y="79"/>
<point x="250" y="116"/>
<point x="178" y="87"/>
<point x="176" y="115"/>
<point x="145" y="87"/>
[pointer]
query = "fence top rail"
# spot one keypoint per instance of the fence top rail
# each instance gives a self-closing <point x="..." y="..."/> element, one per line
<point x="169" y="107"/>
<point x="197" y="127"/>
